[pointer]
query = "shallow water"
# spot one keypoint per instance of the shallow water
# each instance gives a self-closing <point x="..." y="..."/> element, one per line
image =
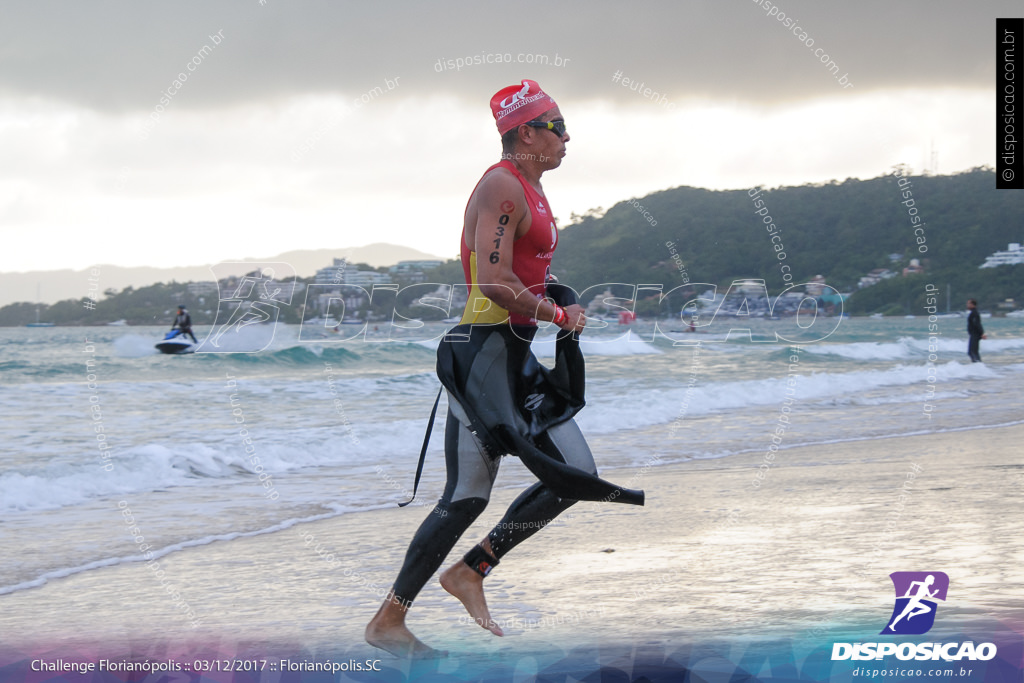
<point x="210" y="447"/>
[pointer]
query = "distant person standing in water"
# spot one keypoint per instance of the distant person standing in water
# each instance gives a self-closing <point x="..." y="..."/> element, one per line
<point x="975" y="331"/>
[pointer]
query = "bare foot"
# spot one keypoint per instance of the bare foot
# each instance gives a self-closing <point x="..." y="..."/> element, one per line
<point x="387" y="631"/>
<point x="464" y="583"/>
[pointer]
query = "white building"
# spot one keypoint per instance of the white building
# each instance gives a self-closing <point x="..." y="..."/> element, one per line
<point x="749" y="286"/>
<point x="403" y="267"/>
<point x="1012" y="256"/>
<point x="333" y="274"/>
<point x="874" y="277"/>
<point x="289" y="290"/>
<point x="366" y="278"/>
<point x="412" y="271"/>
<point x="914" y="268"/>
<point x="342" y="272"/>
<point x="816" y="286"/>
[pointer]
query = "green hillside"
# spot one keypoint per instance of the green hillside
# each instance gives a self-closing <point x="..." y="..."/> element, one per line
<point x="840" y="230"/>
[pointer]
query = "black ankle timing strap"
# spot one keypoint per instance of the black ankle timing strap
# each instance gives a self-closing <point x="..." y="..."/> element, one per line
<point x="480" y="561"/>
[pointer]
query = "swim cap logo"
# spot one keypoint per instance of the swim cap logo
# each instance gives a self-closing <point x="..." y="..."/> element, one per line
<point x="509" y="101"/>
<point x="916" y="593"/>
<point x="517" y="104"/>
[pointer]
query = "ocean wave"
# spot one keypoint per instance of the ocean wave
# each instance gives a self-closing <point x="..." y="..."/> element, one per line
<point x="544" y="346"/>
<point x="282" y="349"/>
<point x="153" y="466"/>
<point x="644" y="407"/>
<point x="135" y="346"/>
<point x="623" y="345"/>
<point x="908" y="348"/>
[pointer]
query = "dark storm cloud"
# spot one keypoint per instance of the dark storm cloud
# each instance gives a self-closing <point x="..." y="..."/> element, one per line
<point x="118" y="56"/>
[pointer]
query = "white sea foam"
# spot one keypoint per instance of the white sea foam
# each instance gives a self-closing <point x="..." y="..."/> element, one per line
<point x="907" y="348"/>
<point x="644" y="407"/>
<point x="620" y="345"/>
<point x="175" y="442"/>
<point x="153" y="466"/>
<point x="623" y="345"/>
<point x="350" y="427"/>
<point x="135" y="346"/>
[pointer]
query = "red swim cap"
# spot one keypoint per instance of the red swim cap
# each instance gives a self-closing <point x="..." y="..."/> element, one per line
<point x="515" y="105"/>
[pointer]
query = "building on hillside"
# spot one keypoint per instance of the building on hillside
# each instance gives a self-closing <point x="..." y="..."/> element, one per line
<point x="288" y="290"/>
<point x="342" y="272"/>
<point x="405" y="268"/>
<point x="365" y="278"/>
<point x="915" y="268"/>
<point x="337" y="307"/>
<point x="816" y="286"/>
<point x="748" y="286"/>
<point x="874" y="277"/>
<point x="332" y="274"/>
<point x="1013" y="255"/>
<point x="259" y="285"/>
<point x="451" y="298"/>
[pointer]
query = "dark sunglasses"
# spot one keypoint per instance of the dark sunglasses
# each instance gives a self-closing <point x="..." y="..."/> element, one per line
<point x="557" y="127"/>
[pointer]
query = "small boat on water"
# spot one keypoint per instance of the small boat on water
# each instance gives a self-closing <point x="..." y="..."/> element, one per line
<point x="174" y="344"/>
<point x="39" y="298"/>
<point x="37" y="323"/>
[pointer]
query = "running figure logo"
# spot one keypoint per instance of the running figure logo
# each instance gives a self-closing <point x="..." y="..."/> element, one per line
<point x="246" y="317"/>
<point x="916" y="593"/>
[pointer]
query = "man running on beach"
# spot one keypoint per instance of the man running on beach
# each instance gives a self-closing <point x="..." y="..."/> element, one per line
<point x="500" y="399"/>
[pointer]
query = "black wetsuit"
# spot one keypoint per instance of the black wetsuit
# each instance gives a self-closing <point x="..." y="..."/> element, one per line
<point x="502" y="401"/>
<point x="974" y="333"/>
<point x="183" y="321"/>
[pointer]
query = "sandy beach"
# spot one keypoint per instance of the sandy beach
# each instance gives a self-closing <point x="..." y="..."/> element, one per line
<point x="718" y="558"/>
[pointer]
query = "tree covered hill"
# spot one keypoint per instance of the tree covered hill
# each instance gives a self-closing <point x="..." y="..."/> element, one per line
<point x="841" y="230"/>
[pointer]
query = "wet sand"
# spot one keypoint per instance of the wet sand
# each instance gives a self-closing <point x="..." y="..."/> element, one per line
<point x="716" y="556"/>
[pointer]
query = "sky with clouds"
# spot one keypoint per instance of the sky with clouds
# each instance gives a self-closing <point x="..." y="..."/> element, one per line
<point x="316" y="124"/>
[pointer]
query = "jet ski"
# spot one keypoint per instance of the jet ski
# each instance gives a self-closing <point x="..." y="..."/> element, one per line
<point x="175" y="344"/>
